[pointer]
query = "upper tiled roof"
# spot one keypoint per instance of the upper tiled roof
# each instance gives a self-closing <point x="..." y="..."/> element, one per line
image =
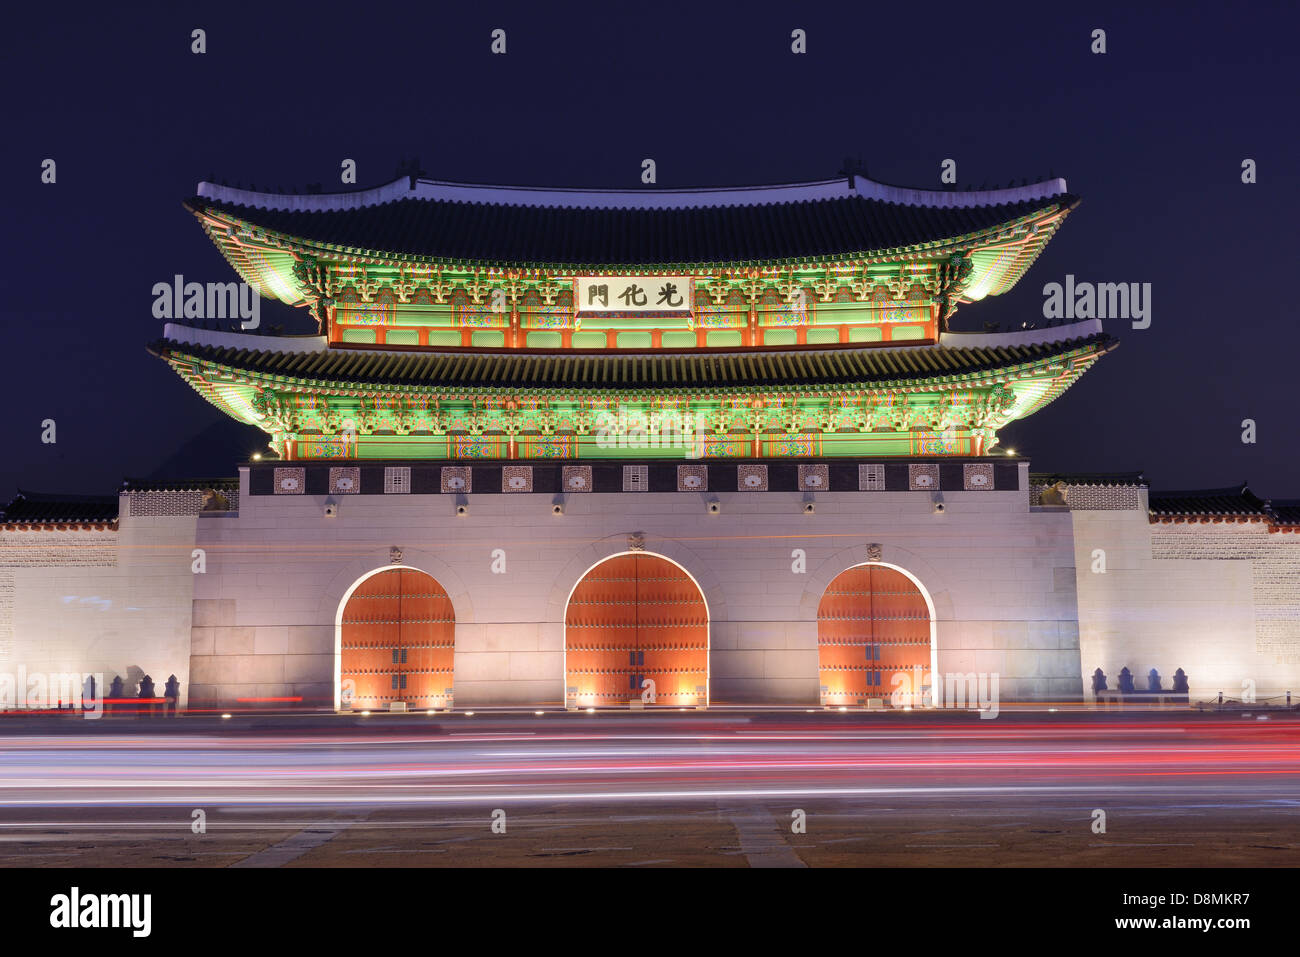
<point x="452" y="222"/>
<point x="415" y="187"/>
<point x="506" y="368"/>
<point x="44" y="508"/>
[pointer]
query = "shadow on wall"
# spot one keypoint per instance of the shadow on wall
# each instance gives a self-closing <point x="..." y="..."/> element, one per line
<point x="134" y="675"/>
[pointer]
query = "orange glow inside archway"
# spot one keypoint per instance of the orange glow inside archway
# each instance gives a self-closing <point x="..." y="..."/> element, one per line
<point x="398" y="642"/>
<point x="632" y="618"/>
<point x="873" y="626"/>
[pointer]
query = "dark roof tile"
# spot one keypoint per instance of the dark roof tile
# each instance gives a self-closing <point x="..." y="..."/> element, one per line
<point x="46" y="508"/>
<point x="451" y="230"/>
<point x="1285" y="512"/>
<point x="1236" y="500"/>
<point x="1088" y="478"/>
<point x="585" y="370"/>
<point x="180" y="485"/>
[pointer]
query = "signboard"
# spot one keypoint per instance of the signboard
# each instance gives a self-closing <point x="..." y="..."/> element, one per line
<point x="632" y="295"/>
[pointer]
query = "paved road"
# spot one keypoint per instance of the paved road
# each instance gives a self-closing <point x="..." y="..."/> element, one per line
<point x="717" y="789"/>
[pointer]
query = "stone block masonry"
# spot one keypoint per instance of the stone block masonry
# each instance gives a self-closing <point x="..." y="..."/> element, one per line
<point x="266" y="615"/>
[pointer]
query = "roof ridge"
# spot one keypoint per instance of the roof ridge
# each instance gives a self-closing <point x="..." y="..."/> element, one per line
<point x="180" y="484"/>
<point x="643" y="198"/>
<point x="1103" y="478"/>
<point x="1241" y="490"/>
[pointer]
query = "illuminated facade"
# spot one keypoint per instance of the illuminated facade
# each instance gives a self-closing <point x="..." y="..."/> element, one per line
<point x="678" y="448"/>
<point x="461" y="322"/>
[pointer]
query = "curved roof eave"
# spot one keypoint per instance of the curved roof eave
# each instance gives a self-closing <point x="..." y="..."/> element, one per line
<point x="294" y="243"/>
<point x="817" y="368"/>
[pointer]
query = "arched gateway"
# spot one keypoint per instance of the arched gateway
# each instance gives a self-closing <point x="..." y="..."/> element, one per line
<point x="634" y="617"/>
<point x="397" y="642"/>
<point x="874" y="623"/>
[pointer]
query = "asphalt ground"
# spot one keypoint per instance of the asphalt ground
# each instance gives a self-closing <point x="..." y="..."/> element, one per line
<point x="656" y="789"/>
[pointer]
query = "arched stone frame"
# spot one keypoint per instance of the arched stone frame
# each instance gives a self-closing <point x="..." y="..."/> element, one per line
<point x="335" y="597"/>
<point x="578" y="567"/>
<point x="936" y="594"/>
<point x="597" y="551"/>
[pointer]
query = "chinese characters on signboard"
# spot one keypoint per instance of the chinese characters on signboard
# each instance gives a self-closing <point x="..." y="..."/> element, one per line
<point x="632" y="294"/>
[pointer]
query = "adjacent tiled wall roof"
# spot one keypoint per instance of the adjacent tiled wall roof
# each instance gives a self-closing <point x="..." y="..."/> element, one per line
<point x="1235" y="504"/>
<point x="44" y="508"/>
<point x="1235" y="501"/>
<point x="180" y="485"/>
<point x="1088" y="478"/>
<point x="1286" y="512"/>
<point x="36" y="508"/>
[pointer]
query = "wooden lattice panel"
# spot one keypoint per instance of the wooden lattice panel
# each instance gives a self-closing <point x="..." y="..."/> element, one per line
<point x="872" y="624"/>
<point x="635" y="617"/>
<point x="399" y="641"/>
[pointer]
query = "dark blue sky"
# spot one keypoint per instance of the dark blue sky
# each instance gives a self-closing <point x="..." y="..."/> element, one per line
<point x="1152" y="135"/>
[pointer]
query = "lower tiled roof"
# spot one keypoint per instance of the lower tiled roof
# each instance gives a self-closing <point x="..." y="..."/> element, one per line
<point x="512" y="369"/>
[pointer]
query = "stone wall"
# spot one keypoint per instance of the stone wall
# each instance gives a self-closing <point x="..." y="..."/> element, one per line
<point x="1017" y="590"/>
<point x="1000" y="577"/>
<point x="103" y="602"/>
<point x="1274" y="560"/>
<point x="1220" y="601"/>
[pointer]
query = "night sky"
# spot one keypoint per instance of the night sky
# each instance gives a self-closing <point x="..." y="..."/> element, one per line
<point x="1151" y="135"/>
